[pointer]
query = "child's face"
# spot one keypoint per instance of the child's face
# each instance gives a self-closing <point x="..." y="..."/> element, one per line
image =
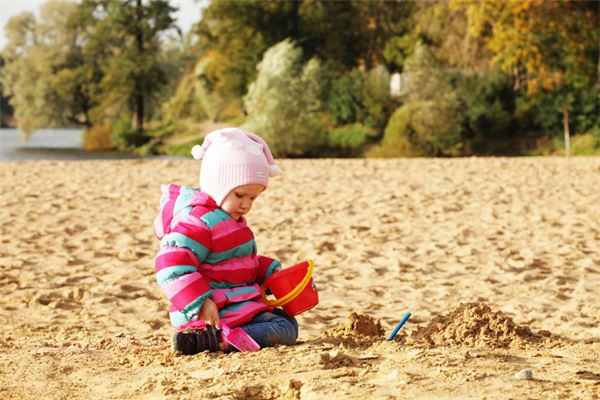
<point x="239" y="201"/>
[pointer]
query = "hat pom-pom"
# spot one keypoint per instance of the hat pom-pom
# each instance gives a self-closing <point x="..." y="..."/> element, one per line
<point x="197" y="152"/>
<point x="274" y="170"/>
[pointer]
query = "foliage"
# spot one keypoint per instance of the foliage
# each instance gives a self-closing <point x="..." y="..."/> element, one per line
<point x="429" y="123"/>
<point x="551" y="51"/>
<point x="360" y="97"/>
<point x="586" y="145"/>
<point x="51" y="81"/>
<point x="443" y="27"/>
<point x="128" y="33"/>
<point x="313" y="76"/>
<point x="345" y="102"/>
<point x="489" y="105"/>
<point x="98" y="138"/>
<point x="84" y="63"/>
<point x="234" y="35"/>
<point x="427" y="127"/>
<point x="539" y="42"/>
<point x="187" y="100"/>
<point x="377" y="99"/>
<point x="125" y="137"/>
<point x="6" y="111"/>
<point x="283" y="103"/>
<point x="348" y="139"/>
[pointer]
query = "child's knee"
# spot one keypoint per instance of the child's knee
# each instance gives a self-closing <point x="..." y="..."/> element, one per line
<point x="288" y="332"/>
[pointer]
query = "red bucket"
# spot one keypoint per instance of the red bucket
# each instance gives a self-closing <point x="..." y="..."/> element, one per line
<point x="293" y="288"/>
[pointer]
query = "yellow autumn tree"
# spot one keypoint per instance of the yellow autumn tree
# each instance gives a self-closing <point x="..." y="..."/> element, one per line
<point x="537" y="42"/>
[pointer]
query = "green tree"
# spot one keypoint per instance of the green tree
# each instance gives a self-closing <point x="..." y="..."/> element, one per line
<point x="85" y="63"/>
<point x="50" y="80"/>
<point x="128" y="34"/>
<point x="283" y="102"/>
<point x="429" y="123"/>
<point x="6" y="110"/>
<point x="345" y="35"/>
<point x="550" y="48"/>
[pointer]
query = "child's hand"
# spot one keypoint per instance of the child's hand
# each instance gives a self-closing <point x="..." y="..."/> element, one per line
<point x="210" y="313"/>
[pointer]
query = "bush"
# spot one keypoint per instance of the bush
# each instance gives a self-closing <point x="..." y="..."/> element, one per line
<point x="125" y="137"/>
<point x="489" y="105"/>
<point x="360" y="97"/>
<point x="587" y="144"/>
<point x="421" y="128"/>
<point x="345" y="101"/>
<point x="283" y="102"/>
<point x="187" y="100"/>
<point x="98" y="138"/>
<point x="349" y="139"/>
<point x="377" y="99"/>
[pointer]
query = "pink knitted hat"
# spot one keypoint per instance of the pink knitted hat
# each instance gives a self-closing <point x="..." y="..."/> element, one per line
<point x="230" y="158"/>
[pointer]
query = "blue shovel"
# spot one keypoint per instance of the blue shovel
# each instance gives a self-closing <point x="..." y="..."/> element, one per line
<point x="400" y="324"/>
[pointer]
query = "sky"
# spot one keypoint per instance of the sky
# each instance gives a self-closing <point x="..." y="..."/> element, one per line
<point x="188" y="13"/>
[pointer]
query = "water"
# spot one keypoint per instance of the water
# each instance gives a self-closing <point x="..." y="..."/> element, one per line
<point x="50" y="144"/>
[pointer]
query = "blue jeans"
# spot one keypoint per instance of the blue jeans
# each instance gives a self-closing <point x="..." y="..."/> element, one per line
<point x="271" y="328"/>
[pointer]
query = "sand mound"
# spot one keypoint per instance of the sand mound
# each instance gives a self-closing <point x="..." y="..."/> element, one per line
<point x="474" y="324"/>
<point x="357" y="325"/>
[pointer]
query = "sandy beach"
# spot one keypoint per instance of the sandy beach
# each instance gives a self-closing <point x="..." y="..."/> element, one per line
<point x="498" y="259"/>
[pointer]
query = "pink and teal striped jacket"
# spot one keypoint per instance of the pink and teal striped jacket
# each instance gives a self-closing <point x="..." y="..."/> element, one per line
<point x="204" y="253"/>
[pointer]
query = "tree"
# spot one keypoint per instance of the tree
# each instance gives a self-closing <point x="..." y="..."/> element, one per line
<point x="129" y="33"/>
<point x="6" y="110"/>
<point x="84" y="63"/>
<point x="548" y="47"/>
<point x="283" y="102"/>
<point x="49" y="79"/>
<point x="344" y="35"/>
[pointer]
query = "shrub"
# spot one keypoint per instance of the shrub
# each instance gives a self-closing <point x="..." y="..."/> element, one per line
<point x="187" y="100"/>
<point x="345" y="100"/>
<point x="376" y="97"/>
<point x="421" y="128"/>
<point x="586" y="144"/>
<point x="125" y="137"/>
<point x="349" y="139"/>
<point x="283" y="102"/>
<point x="360" y="97"/>
<point x="489" y="105"/>
<point x="98" y="138"/>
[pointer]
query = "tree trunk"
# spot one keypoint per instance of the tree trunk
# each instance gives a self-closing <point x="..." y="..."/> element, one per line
<point x="376" y="19"/>
<point x="139" y="95"/>
<point x="295" y="18"/>
<point x="566" y="128"/>
<point x="598" y="72"/>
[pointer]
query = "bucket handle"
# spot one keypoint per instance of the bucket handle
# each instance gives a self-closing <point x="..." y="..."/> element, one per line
<point x="292" y="294"/>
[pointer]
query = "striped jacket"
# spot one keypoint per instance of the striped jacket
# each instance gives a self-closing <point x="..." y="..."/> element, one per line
<point x="204" y="253"/>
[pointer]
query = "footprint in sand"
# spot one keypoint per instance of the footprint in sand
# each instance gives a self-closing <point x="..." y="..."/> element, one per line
<point x="132" y="292"/>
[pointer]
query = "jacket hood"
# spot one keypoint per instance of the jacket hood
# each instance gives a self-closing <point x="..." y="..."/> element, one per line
<point x="175" y="204"/>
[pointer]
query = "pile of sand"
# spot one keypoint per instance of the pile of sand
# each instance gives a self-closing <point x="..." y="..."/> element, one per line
<point x="357" y="325"/>
<point x="474" y="324"/>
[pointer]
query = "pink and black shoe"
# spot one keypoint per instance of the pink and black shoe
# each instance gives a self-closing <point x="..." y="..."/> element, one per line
<point x="194" y="341"/>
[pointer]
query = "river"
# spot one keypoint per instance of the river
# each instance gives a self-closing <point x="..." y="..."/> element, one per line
<point x="50" y="144"/>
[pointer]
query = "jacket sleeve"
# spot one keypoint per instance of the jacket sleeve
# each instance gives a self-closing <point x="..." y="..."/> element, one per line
<point x="182" y="250"/>
<point x="266" y="267"/>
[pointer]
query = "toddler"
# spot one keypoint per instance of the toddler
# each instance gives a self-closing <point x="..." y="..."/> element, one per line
<point x="208" y="266"/>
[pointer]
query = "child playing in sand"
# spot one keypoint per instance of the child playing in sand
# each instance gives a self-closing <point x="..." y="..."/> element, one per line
<point x="208" y="265"/>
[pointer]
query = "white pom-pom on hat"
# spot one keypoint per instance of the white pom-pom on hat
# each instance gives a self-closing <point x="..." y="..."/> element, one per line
<point x="197" y="152"/>
<point x="274" y="170"/>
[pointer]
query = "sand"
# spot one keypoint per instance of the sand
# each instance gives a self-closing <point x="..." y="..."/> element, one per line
<point x="497" y="259"/>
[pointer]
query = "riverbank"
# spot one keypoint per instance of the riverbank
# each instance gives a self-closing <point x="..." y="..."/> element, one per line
<point x="515" y="241"/>
<point x="50" y="144"/>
